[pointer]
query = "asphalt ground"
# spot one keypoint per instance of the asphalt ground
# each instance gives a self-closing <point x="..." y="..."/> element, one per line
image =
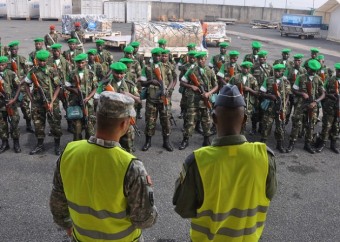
<point x="305" y="208"/>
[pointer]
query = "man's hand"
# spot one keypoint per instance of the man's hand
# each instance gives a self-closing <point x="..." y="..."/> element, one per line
<point x="304" y="95"/>
<point x="195" y="89"/>
<point x="10" y="102"/>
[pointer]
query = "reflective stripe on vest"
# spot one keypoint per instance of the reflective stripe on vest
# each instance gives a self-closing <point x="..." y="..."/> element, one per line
<point x="93" y="178"/>
<point x="235" y="202"/>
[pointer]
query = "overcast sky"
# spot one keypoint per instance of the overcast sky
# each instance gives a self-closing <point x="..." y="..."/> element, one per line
<point x="293" y="4"/>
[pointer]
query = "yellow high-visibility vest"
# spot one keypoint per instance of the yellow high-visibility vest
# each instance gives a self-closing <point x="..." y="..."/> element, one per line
<point x="93" y="179"/>
<point x="235" y="202"/>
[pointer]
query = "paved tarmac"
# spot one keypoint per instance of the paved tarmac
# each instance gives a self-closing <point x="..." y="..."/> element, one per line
<point x="305" y="208"/>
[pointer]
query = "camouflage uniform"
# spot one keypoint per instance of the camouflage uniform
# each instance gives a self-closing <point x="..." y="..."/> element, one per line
<point x="78" y="35"/>
<point x="11" y="83"/>
<point x="225" y="72"/>
<point x="88" y="82"/>
<point x="251" y="58"/>
<point x="273" y="111"/>
<point x="70" y="54"/>
<point x="217" y="61"/>
<point x="105" y="58"/>
<point x="287" y="63"/>
<point x="325" y="73"/>
<point x="140" y="58"/>
<point x="183" y="103"/>
<point x="50" y="39"/>
<point x="134" y="74"/>
<point x="97" y="68"/>
<point x="140" y="204"/>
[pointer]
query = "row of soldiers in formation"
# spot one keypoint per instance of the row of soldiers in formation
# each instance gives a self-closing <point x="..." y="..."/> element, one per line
<point x="77" y="79"/>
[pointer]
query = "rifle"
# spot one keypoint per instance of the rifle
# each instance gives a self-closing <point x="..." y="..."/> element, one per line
<point x="220" y="62"/>
<point x="96" y="59"/>
<point x="81" y="43"/>
<point x="14" y="66"/>
<point x="47" y="105"/>
<point x="9" y="109"/>
<point x="278" y="104"/>
<point x="309" y="86"/>
<point x="162" y="91"/>
<point x="231" y="71"/>
<point x="132" y="120"/>
<point x="322" y="75"/>
<point x="195" y="81"/>
<point x="82" y="104"/>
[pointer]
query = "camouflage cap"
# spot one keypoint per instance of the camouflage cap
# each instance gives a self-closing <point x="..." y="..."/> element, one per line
<point x="230" y="97"/>
<point x="135" y="44"/>
<point x="42" y="55"/>
<point x="298" y="56"/>
<point x="256" y="45"/>
<point x="279" y="67"/>
<point x="92" y="52"/>
<point x="337" y="66"/>
<point x="315" y="50"/>
<point x="314" y="65"/>
<point x="263" y="53"/>
<point x="100" y="42"/>
<point x="56" y="46"/>
<point x="286" y="50"/>
<point x="72" y="41"/>
<point x="118" y="67"/>
<point x="80" y="57"/>
<point x="162" y="41"/>
<point x="129" y="49"/>
<point x="247" y="64"/>
<point x="39" y="40"/>
<point x="223" y="44"/>
<point x="126" y="60"/>
<point x="192" y="53"/>
<point x="115" y="105"/>
<point x="191" y="45"/>
<point x="320" y="57"/>
<point x="234" y="53"/>
<point x="14" y="43"/>
<point x="3" y="59"/>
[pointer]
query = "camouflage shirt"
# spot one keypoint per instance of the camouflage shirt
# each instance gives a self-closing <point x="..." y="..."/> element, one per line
<point x="291" y="73"/>
<point x="20" y="63"/>
<point x="62" y="67"/>
<point x="70" y="54"/>
<point x="10" y="83"/>
<point x="251" y="58"/>
<point x="78" y="35"/>
<point x="261" y="72"/>
<point x="97" y="68"/>
<point x="137" y="189"/>
<point x="217" y="61"/>
<point x="287" y="63"/>
<point x="105" y="58"/>
<point x="301" y="86"/>
<point x="50" y="39"/>
<point x="328" y="103"/>
<point x="228" y="70"/>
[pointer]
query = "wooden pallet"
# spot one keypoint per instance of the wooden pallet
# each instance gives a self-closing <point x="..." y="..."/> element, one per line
<point x="22" y="18"/>
<point x="50" y="19"/>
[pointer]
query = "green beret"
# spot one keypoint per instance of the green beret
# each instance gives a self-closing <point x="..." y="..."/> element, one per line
<point x="129" y="49"/>
<point x="73" y="41"/>
<point x="201" y="54"/>
<point x="314" y="65"/>
<point x="56" y="46"/>
<point x="247" y="64"/>
<point x="13" y="43"/>
<point x="298" y="56"/>
<point x="320" y="57"/>
<point x="234" y="53"/>
<point x="156" y="51"/>
<point x="337" y="66"/>
<point x="92" y="52"/>
<point x="165" y="51"/>
<point x="223" y="44"/>
<point x="100" y="42"/>
<point x="126" y="60"/>
<point x="279" y="67"/>
<point x="263" y="53"/>
<point x="135" y="44"/>
<point x="118" y="67"/>
<point x="314" y="50"/>
<point x="256" y="45"/>
<point x="3" y="59"/>
<point x="286" y="50"/>
<point x="192" y="53"/>
<point x="39" y="40"/>
<point x="80" y="57"/>
<point x="191" y="45"/>
<point x="162" y="41"/>
<point x="42" y="55"/>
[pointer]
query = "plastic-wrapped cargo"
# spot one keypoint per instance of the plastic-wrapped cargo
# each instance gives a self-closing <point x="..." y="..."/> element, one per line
<point x="22" y="9"/>
<point x="115" y="11"/>
<point x="91" y="23"/>
<point x="177" y="35"/>
<point x="217" y="33"/>
<point x="54" y="9"/>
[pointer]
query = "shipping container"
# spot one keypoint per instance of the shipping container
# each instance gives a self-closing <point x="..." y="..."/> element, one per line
<point x="115" y="11"/>
<point x="54" y="9"/>
<point x="22" y="9"/>
<point x="91" y="6"/>
<point x="138" y="12"/>
<point x="3" y="8"/>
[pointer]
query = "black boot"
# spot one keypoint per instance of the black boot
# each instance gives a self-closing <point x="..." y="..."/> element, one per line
<point x="184" y="144"/>
<point x="147" y="144"/>
<point x="279" y="146"/>
<point x="16" y="146"/>
<point x="308" y="147"/>
<point x="206" y="141"/>
<point x="333" y="147"/>
<point x="166" y="143"/>
<point x="320" y="144"/>
<point x="39" y="148"/>
<point x="4" y="146"/>
<point x="70" y="127"/>
<point x="198" y="127"/>
<point x="57" y="150"/>
<point x="29" y="126"/>
<point x="290" y="147"/>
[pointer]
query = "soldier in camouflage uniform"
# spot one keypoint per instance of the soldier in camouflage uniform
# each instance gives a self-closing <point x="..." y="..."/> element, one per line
<point x="139" y="57"/>
<point x="198" y="98"/>
<point x="9" y="116"/>
<point x="3" y="49"/>
<point x="291" y="73"/>
<point x="78" y="34"/>
<point x="261" y="70"/>
<point x="330" y="108"/>
<point x="121" y="83"/>
<point x="253" y="57"/>
<point x="94" y="66"/>
<point x="120" y="182"/>
<point x="157" y="100"/>
<point x="306" y="104"/>
<point x="162" y="44"/>
<point x="49" y="82"/>
<point x="18" y="64"/>
<point x="51" y="38"/>
<point x="72" y="52"/>
<point x="217" y="61"/>
<point x="248" y="87"/>
<point x="276" y="109"/>
<point x="285" y="58"/>
<point x="88" y="86"/>
<point x="313" y="56"/>
<point x="228" y="69"/>
<point x="184" y="58"/>
<point x="325" y="72"/>
<point x="105" y="57"/>
<point x="39" y="44"/>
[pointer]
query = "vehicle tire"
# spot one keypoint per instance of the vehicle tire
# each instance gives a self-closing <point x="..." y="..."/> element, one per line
<point x="286" y="35"/>
<point x="311" y="37"/>
<point x="302" y="36"/>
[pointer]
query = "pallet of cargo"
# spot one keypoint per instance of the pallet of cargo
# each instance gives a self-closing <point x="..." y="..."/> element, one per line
<point x="117" y="40"/>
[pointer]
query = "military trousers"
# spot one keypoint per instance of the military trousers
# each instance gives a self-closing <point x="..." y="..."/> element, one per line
<point x="152" y="110"/>
<point x="9" y="125"/>
<point x="330" y="124"/>
<point x="190" y="121"/>
<point x="267" y="123"/>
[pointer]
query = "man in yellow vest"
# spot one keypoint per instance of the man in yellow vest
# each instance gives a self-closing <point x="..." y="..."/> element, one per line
<point x="100" y="191"/>
<point x="226" y="188"/>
